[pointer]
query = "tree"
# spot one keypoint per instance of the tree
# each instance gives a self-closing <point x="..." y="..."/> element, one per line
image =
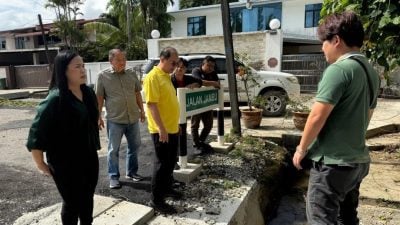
<point x="66" y="26"/>
<point x="381" y="20"/>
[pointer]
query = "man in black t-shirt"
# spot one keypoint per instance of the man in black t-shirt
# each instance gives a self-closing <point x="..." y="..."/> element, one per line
<point x="209" y="77"/>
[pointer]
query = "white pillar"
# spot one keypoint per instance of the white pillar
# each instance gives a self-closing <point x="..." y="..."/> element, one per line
<point x="153" y="48"/>
<point x="273" y="50"/>
<point x="36" y="60"/>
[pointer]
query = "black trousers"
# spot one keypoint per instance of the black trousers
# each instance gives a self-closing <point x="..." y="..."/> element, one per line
<point x="207" y="119"/>
<point x="76" y="182"/>
<point x="333" y="191"/>
<point x="163" y="165"/>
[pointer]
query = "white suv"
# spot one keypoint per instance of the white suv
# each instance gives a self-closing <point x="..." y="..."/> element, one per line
<point x="276" y="87"/>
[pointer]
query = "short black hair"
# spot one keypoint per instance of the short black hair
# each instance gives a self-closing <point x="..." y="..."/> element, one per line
<point x="167" y="52"/>
<point x="209" y="58"/>
<point x="346" y="25"/>
<point x="183" y="61"/>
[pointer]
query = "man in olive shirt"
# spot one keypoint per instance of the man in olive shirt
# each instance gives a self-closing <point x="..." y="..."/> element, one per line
<point x="334" y="135"/>
<point x="120" y="89"/>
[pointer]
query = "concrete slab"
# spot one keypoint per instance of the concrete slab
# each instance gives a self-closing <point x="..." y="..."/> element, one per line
<point x="102" y="203"/>
<point x="45" y="216"/>
<point x="125" y="213"/>
<point x="187" y="174"/>
<point x="106" y="211"/>
<point x="225" y="148"/>
<point x="382" y="182"/>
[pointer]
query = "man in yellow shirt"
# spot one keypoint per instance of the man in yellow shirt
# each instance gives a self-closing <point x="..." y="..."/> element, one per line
<point x="163" y="124"/>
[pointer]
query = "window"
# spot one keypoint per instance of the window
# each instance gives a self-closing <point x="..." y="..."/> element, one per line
<point x="255" y="19"/>
<point x="51" y="39"/>
<point x="196" y="26"/>
<point x="312" y="15"/>
<point x="2" y="44"/>
<point x="20" y="43"/>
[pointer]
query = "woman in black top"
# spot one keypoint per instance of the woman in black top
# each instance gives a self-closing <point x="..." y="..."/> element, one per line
<point x="66" y="128"/>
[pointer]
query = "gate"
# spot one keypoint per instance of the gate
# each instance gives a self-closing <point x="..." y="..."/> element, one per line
<point x="308" y="68"/>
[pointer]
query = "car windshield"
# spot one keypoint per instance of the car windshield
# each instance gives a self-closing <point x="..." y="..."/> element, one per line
<point x="150" y="65"/>
<point x="196" y="62"/>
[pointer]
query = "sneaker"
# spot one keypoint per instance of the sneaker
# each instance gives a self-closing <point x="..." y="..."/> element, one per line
<point x="163" y="207"/>
<point x="114" y="184"/>
<point x="174" y="194"/>
<point x="135" y="177"/>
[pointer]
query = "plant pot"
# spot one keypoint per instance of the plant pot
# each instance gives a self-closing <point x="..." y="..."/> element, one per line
<point x="300" y="119"/>
<point x="251" y="119"/>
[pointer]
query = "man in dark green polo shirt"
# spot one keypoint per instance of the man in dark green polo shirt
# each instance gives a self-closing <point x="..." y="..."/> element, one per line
<point x="120" y="89"/>
<point x="334" y="135"/>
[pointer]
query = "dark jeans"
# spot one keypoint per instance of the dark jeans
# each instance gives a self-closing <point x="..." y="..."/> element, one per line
<point x="333" y="192"/>
<point x="76" y="183"/>
<point x="164" y="163"/>
<point x="207" y="119"/>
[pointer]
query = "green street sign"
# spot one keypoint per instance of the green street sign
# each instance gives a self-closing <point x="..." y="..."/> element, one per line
<point x="197" y="100"/>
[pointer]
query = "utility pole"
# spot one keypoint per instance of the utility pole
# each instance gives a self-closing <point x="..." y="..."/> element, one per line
<point x="128" y="21"/>
<point x="46" y="49"/>
<point x="226" y="26"/>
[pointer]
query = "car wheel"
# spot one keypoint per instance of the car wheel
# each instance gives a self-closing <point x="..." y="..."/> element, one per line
<point x="275" y="103"/>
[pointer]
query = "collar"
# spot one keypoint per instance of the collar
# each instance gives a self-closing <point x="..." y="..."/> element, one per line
<point x="160" y="71"/>
<point x="348" y="55"/>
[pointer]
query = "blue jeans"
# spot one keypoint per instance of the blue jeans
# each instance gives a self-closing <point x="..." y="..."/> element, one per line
<point x="132" y="134"/>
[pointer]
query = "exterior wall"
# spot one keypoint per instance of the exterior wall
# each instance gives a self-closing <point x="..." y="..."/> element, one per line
<point x="293" y="18"/>
<point x="213" y="22"/>
<point x="260" y="46"/>
<point x="10" y="43"/>
<point x="29" y="44"/>
<point x="32" y="76"/>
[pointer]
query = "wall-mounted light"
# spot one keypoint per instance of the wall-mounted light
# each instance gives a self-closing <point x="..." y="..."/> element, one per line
<point x="274" y="24"/>
<point x="249" y="5"/>
<point x="155" y="34"/>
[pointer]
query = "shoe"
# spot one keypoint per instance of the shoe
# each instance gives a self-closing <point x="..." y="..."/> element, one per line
<point x="163" y="207"/>
<point x="207" y="148"/>
<point x="114" y="184"/>
<point x="177" y="184"/>
<point x="135" y="177"/>
<point x="177" y="167"/>
<point x="197" y="151"/>
<point x="174" y="194"/>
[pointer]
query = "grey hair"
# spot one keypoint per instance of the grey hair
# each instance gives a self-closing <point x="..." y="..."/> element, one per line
<point x="113" y="52"/>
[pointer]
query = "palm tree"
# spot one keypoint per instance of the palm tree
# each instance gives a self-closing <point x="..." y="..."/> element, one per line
<point x="66" y="12"/>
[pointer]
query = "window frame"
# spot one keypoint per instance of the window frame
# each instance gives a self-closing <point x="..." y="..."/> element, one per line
<point x="312" y="11"/>
<point x="3" y="44"/>
<point x="20" y="43"/>
<point x="200" y="21"/>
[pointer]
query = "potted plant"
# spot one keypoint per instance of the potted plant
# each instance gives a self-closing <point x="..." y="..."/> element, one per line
<point x="251" y="116"/>
<point x="299" y="109"/>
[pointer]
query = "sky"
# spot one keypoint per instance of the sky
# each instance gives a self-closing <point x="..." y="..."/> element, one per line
<point x="15" y="14"/>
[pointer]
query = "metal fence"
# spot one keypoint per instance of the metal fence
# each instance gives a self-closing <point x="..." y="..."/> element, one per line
<point x="307" y="68"/>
